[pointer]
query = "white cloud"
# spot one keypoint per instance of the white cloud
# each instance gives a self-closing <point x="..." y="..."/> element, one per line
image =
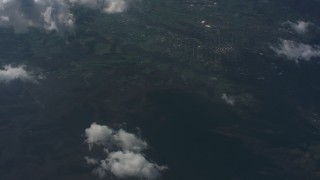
<point x="98" y="134"/>
<point x="4" y="18"/>
<point x="130" y="142"/>
<point x="107" y="6"/>
<point x="115" y="6"/>
<point x="301" y="27"/>
<point x="296" y="51"/>
<point x="103" y="135"/>
<point x="50" y="14"/>
<point x="228" y="99"/>
<point x="124" y="156"/>
<point x="128" y="164"/>
<point x="9" y="73"/>
<point x="91" y="161"/>
<point x="47" y="14"/>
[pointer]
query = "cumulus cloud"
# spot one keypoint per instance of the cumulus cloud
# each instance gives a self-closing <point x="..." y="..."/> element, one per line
<point x="50" y="14"/>
<point x="107" y="6"/>
<point x="296" y="51"/>
<point x="125" y="164"/>
<point x="228" y="99"/>
<point x="103" y="135"/>
<point x="115" y="6"/>
<point x="301" y="27"/>
<point x="129" y="142"/>
<point x="4" y="18"/>
<point x="98" y="135"/>
<point x="9" y="73"/>
<point x="91" y="161"/>
<point x="123" y="151"/>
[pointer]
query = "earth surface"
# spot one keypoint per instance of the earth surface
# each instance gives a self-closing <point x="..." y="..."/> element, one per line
<point x="203" y="82"/>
